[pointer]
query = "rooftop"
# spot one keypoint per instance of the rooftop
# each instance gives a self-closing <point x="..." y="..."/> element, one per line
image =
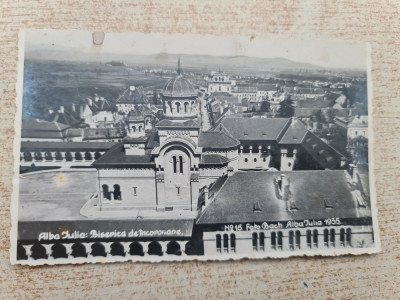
<point x="327" y="196"/>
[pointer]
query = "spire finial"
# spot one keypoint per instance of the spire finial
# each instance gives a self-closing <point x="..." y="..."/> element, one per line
<point x="179" y="70"/>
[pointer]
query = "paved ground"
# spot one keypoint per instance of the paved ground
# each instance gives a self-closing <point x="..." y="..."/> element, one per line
<point x="55" y="195"/>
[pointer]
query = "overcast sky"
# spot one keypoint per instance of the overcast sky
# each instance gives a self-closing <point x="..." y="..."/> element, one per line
<point x="330" y="54"/>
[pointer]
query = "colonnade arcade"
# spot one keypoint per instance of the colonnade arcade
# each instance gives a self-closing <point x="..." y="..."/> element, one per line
<point x="102" y="249"/>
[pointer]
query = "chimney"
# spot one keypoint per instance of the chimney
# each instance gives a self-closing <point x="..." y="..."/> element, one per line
<point x="73" y="107"/>
<point x="51" y="111"/>
<point x="61" y="109"/>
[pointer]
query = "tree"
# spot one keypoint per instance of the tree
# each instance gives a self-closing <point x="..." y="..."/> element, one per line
<point x="286" y="109"/>
<point x="265" y="106"/>
<point x="358" y="147"/>
<point x="245" y="102"/>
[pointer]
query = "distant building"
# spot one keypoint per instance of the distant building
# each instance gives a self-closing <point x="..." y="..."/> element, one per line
<point x="130" y="98"/>
<point x="219" y="82"/>
<point x="245" y="92"/>
<point x="354" y="126"/>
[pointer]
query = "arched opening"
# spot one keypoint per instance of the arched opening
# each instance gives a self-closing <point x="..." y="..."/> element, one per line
<point x="308" y="238"/>
<point x="58" y="156"/>
<point x="38" y="251"/>
<point x="117" y="249"/>
<point x="68" y="156"/>
<point x="226" y="243"/>
<point x="78" y="156"/>
<point x="174" y="162"/>
<point x="136" y="249"/>
<point x="332" y="232"/>
<point x="27" y="156"/>
<point x="280" y="242"/>
<point x="297" y="239"/>
<point x="147" y="122"/>
<point x="38" y="155"/>
<point x="186" y="106"/>
<point x="273" y="240"/>
<point x="140" y="128"/>
<point x="178" y="107"/>
<point x="181" y="164"/>
<point x="218" y="242"/>
<point x="48" y="156"/>
<point x="254" y="241"/>
<point x="117" y="192"/>
<point x="106" y="192"/>
<point x="59" y="251"/>
<point x="78" y="250"/>
<point x="348" y="236"/>
<point x="155" y="249"/>
<point x="233" y="242"/>
<point x="170" y="106"/>
<point x="326" y="237"/>
<point x="21" y="252"/>
<point x="315" y="238"/>
<point x="291" y="235"/>
<point x="342" y="234"/>
<point x="97" y="155"/>
<point x="262" y="241"/>
<point x="88" y="155"/>
<point x="173" y="248"/>
<point x="98" y="249"/>
<point x="192" y="248"/>
<point x="133" y="128"/>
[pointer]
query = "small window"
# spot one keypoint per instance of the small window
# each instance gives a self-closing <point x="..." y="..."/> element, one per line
<point x="315" y="238"/>
<point x="326" y="237"/>
<point x="255" y="241"/>
<point x="178" y="190"/>
<point x="226" y="243"/>
<point x="262" y="241"/>
<point x="233" y="242"/>
<point x="332" y="240"/>
<point x="291" y="237"/>
<point x="246" y="160"/>
<point x="348" y="237"/>
<point x="255" y="159"/>
<point x="298" y="239"/>
<point x="308" y="238"/>
<point x="134" y="191"/>
<point x="342" y="234"/>
<point x="280" y="236"/>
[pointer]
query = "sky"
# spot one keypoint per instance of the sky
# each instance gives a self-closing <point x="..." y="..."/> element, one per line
<point x="329" y="54"/>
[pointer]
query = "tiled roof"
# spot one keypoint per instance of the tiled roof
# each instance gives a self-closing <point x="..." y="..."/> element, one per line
<point x="179" y="87"/>
<point x="135" y="116"/>
<point x="74" y="132"/>
<point x="213" y="159"/>
<point x="247" y="129"/>
<point x="192" y="123"/>
<point x="217" y="140"/>
<point x="129" y="96"/>
<point x="116" y="157"/>
<point x="102" y="133"/>
<point x="295" y="133"/>
<point x="37" y="124"/>
<point x="79" y="146"/>
<point x="327" y="196"/>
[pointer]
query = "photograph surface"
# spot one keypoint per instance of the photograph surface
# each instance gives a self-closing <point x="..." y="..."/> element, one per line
<point x="150" y="147"/>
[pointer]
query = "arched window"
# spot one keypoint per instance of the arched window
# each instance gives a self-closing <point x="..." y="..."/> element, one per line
<point x="78" y="250"/>
<point x="186" y="106"/>
<point x="117" y="192"/>
<point x="297" y="239"/>
<point x="342" y="233"/>
<point x="155" y="249"/>
<point x="315" y="238"/>
<point x="255" y="241"/>
<point x="291" y="235"/>
<point x="134" y="128"/>
<point x="233" y="242"/>
<point x="48" y="156"/>
<point x="262" y="241"/>
<point x="59" y="251"/>
<point x="38" y="251"/>
<point x="181" y="164"/>
<point x="255" y="159"/>
<point x="226" y="243"/>
<point x="97" y="155"/>
<point x="273" y="240"/>
<point x="280" y="240"/>
<point x="348" y="236"/>
<point x="178" y="107"/>
<point x="98" y="249"/>
<point x="106" y="192"/>
<point x="68" y="156"/>
<point x="308" y="238"/>
<point x="147" y="122"/>
<point x="88" y="155"/>
<point x="78" y="155"/>
<point x="174" y="162"/>
<point x="218" y="242"/>
<point x="246" y="160"/>
<point x="27" y="156"/>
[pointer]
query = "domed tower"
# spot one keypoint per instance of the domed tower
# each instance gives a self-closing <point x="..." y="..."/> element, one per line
<point x="179" y="97"/>
<point x="135" y="124"/>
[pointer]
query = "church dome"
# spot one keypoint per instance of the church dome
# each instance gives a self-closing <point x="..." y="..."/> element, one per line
<point x="179" y="87"/>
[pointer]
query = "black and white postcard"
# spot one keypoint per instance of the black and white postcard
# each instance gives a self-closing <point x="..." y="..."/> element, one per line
<point x="153" y="147"/>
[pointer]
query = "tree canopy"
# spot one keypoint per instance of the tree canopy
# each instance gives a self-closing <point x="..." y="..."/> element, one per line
<point x="286" y="109"/>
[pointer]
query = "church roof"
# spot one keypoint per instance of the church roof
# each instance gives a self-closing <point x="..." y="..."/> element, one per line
<point x="179" y="87"/>
<point x="116" y="157"/>
<point x="327" y="196"/>
<point x="132" y="96"/>
<point x="191" y="123"/>
<point x="217" y="140"/>
<point x="213" y="159"/>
